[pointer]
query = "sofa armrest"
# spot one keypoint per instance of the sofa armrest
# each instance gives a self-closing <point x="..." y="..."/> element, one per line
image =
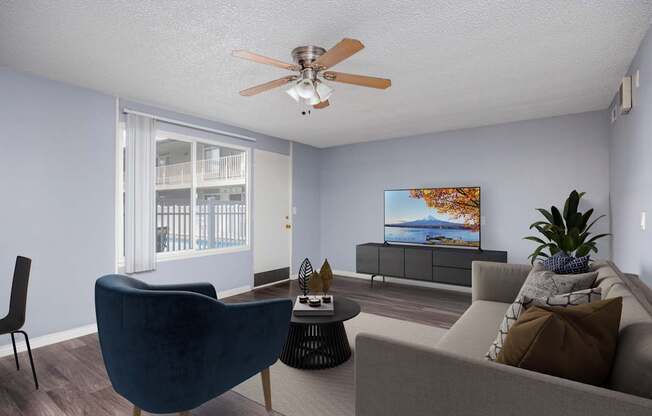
<point x="395" y="378"/>
<point x="497" y="282"/>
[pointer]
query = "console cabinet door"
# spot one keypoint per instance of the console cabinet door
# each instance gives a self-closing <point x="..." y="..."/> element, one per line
<point x="366" y="259"/>
<point x="418" y="264"/>
<point x="464" y="258"/>
<point x="392" y="261"/>
<point x="452" y="275"/>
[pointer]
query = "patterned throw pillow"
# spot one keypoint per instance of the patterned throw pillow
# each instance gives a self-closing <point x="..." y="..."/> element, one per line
<point x="517" y="308"/>
<point x="555" y="262"/>
<point x="542" y="283"/>
<point x="576" y="265"/>
<point x="562" y="263"/>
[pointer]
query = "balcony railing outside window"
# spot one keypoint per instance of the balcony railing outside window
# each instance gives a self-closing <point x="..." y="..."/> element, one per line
<point x="223" y="168"/>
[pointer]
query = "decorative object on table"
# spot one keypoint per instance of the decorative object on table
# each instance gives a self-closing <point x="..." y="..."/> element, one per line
<point x="303" y="299"/>
<point x="305" y="272"/>
<point x="315" y="283"/>
<point x="326" y="276"/>
<point x="327" y="298"/>
<point x="568" y="233"/>
<point x="314" y="307"/>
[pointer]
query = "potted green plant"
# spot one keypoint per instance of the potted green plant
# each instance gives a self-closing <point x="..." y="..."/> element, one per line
<point x="568" y="233"/>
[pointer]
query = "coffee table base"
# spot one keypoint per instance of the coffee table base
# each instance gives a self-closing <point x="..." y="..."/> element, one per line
<point x="316" y="346"/>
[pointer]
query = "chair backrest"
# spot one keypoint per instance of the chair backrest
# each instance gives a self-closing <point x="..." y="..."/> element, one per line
<point x="150" y="338"/>
<point x="18" y="300"/>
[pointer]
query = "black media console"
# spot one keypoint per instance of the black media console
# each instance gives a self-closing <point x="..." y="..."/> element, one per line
<point x="430" y="264"/>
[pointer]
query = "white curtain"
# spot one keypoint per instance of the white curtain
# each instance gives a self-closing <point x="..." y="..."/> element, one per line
<point x="140" y="194"/>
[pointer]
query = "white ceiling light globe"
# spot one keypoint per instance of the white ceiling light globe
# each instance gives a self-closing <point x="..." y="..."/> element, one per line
<point x="292" y="92"/>
<point x="314" y="100"/>
<point x="324" y="91"/>
<point x="305" y="89"/>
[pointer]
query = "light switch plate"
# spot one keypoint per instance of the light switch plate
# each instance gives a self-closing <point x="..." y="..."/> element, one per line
<point x="643" y="220"/>
<point x="482" y="220"/>
<point x="637" y="78"/>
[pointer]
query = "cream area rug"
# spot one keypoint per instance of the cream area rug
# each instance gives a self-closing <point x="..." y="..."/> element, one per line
<point x="331" y="392"/>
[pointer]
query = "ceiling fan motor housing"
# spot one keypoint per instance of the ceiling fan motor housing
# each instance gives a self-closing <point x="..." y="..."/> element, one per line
<point x="306" y="55"/>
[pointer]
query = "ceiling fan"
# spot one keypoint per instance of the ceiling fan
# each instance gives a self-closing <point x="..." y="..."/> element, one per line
<point x="312" y="62"/>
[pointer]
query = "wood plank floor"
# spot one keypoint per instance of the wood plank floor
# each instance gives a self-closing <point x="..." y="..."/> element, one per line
<point x="427" y="306"/>
<point x="74" y="382"/>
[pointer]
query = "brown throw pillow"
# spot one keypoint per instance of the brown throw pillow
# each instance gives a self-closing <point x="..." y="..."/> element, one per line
<point x="577" y="342"/>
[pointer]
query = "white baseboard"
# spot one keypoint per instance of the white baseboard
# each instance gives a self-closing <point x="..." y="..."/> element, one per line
<point x="233" y="292"/>
<point x="48" y="339"/>
<point x="270" y="284"/>
<point x="407" y="282"/>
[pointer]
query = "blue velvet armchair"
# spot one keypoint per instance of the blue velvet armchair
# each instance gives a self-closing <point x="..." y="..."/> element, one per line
<point x="169" y="349"/>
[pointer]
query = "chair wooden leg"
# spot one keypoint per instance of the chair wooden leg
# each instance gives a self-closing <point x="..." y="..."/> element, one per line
<point x="267" y="389"/>
<point x="137" y="411"/>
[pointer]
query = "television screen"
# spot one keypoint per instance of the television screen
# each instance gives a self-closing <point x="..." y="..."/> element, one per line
<point x="446" y="216"/>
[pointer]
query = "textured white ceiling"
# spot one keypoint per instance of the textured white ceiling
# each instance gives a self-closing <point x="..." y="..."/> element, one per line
<point x="453" y="63"/>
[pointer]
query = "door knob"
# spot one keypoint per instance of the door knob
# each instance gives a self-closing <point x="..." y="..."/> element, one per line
<point x="288" y="226"/>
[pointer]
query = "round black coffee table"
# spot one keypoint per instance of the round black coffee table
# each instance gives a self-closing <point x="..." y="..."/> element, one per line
<point x="316" y="342"/>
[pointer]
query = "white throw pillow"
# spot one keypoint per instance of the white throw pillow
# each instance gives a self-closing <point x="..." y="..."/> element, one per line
<point x="542" y="283"/>
<point x="516" y="309"/>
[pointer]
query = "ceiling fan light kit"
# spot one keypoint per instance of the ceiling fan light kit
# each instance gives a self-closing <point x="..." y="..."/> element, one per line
<point x="312" y="62"/>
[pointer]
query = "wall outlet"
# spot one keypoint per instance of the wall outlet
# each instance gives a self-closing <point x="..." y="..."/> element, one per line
<point x="637" y="78"/>
<point x="643" y="220"/>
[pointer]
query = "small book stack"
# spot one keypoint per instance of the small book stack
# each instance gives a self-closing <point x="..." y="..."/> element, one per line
<point x="314" y="306"/>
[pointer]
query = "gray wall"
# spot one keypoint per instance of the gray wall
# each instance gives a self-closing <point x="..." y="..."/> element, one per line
<point x="631" y="173"/>
<point x="57" y="173"/>
<point x="57" y="169"/>
<point x="306" y="199"/>
<point x="520" y="166"/>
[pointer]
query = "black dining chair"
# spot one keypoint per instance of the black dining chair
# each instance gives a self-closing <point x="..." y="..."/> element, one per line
<point x="15" y="319"/>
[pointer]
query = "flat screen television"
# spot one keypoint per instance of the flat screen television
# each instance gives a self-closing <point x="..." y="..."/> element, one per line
<point x="433" y="216"/>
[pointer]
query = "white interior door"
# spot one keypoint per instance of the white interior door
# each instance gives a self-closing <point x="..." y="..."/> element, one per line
<point x="272" y="230"/>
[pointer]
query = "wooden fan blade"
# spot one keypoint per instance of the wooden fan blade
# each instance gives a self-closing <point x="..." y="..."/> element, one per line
<point x="268" y="86"/>
<point x="264" y="60"/>
<point x="323" y="104"/>
<point x="362" y="80"/>
<point x="344" y="49"/>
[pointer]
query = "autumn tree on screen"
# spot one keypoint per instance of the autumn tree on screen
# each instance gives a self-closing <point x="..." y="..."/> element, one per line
<point x="459" y="203"/>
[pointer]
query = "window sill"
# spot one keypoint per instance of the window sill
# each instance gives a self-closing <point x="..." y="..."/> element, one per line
<point x="182" y="255"/>
<point x="163" y="257"/>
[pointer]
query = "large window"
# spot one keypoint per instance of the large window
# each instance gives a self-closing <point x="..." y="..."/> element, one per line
<point x="201" y="196"/>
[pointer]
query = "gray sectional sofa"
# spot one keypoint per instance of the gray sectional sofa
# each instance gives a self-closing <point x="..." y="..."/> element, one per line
<point x="453" y="378"/>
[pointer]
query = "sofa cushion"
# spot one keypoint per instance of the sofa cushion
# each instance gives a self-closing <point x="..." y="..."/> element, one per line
<point x="632" y="369"/>
<point x="543" y="283"/>
<point x="577" y="342"/>
<point x="562" y="263"/>
<point x="475" y="329"/>
<point x="516" y="309"/>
